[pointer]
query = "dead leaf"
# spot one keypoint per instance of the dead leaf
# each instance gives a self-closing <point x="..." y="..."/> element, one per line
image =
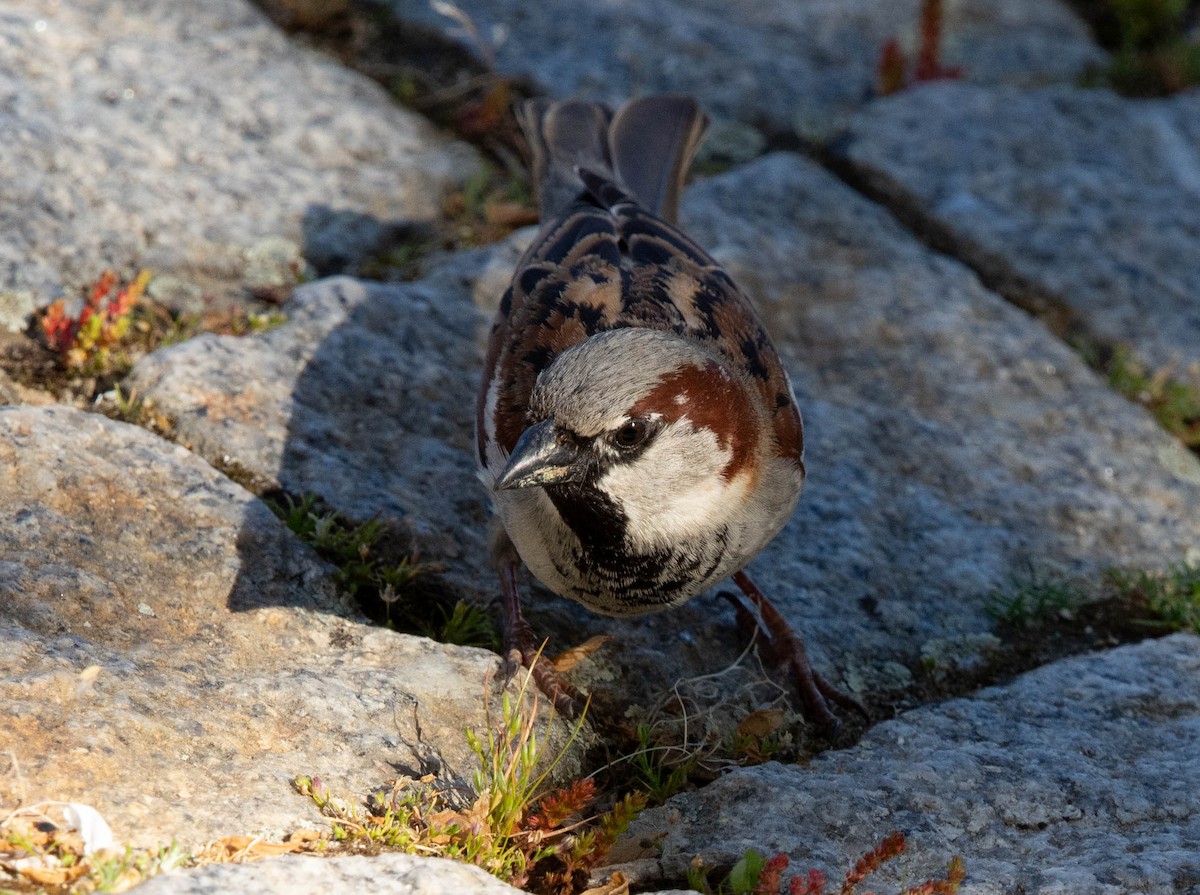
<point x="241" y="847"/>
<point x="568" y="659"/>
<point x="39" y="869"/>
<point x="618" y="884"/>
<point x="509" y="214"/>
<point x="761" y="723"/>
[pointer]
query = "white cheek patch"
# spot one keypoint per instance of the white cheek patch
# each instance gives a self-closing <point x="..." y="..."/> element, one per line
<point x="489" y="407"/>
<point x="675" y="489"/>
<point x="496" y="457"/>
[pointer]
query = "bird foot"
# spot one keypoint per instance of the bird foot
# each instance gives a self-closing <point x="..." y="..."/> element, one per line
<point x="781" y="648"/>
<point x="567" y="701"/>
<point x="519" y="641"/>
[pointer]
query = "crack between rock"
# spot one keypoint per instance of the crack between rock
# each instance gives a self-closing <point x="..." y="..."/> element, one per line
<point x="995" y="273"/>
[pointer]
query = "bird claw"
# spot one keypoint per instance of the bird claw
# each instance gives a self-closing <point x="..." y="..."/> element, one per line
<point x="567" y="701"/>
<point x="781" y="648"/>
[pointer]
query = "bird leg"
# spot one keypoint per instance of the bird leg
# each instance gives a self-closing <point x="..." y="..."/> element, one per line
<point x="787" y="650"/>
<point x="519" y="645"/>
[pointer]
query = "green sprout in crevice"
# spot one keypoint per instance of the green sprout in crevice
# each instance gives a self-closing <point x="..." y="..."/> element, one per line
<point x="392" y="587"/>
<point x="510" y="821"/>
<point x="1033" y="597"/>
<point x="1171" y="393"/>
<point x="1168" y="599"/>
<point x="1173" y="399"/>
<point x="1154" y="44"/>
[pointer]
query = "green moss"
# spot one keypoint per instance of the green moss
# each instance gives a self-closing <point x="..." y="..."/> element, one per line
<point x="1170" y="598"/>
<point x="385" y="582"/>
<point x="1033" y="597"/>
<point x="1152" y="52"/>
<point x="1175" y="402"/>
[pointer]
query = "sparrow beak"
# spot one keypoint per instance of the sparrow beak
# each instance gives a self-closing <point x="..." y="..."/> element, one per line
<point x="542" y="458"/>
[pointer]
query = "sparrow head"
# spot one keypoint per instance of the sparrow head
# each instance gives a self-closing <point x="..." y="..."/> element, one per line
<point x="658" y="429"/>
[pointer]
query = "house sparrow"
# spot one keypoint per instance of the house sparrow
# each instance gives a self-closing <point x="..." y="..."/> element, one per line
<point x="636" y="430"/>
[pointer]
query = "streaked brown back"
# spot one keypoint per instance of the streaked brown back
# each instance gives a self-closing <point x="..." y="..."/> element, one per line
<point x="609" y="256"/>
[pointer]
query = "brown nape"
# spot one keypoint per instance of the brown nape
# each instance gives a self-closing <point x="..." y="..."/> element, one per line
<point x="711" y="399"/>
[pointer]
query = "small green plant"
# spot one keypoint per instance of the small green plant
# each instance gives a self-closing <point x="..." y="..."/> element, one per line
<point x="761" y="736"/>
<point x="347" y="546"/>
<point x="244" y="323"/>
<point x="463" y="625"/>
<point x="511" y="823"/>
<point x="1171" y="599"/>
<point x="371" y="572"/>
<point x="1032" y="598"/>
<point x="401" y="261"/>
<point x="130" y="407"/>
<point x="1153" y="53"/>
<point x="755" y="875"/>
<point x="1174" y="401"/>
<point x="1143" y="24"/>
<point x="158" y="327"/>
<point x="492" y="203"/>
<point x="117" y="324"/>
<point x="660" y="770"/>
<point x="118" y="871"/>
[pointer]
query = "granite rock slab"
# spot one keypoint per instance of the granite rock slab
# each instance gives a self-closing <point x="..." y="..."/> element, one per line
<point x="171" y="655"/>
<point x="1076" y="777"/>
<point x="1093" y="198"/>
<point x="790" y="67"/>
<point x="294" y="875"/>
<point x="196" y="141"/>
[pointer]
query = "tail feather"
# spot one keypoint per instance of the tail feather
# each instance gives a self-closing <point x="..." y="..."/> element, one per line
<point x="653" y="141"/>
<point x="564" y="136"/>
<point x="645" y="149"/>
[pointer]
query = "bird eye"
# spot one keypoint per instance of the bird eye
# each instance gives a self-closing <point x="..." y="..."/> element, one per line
<point x="631" y="434"/>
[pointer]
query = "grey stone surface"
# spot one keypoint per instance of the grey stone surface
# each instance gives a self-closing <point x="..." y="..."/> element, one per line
<point x="364" y="396"/>
<point x="173" y="656"/>
<point x="191" y="139"/>
<point x="14" y="393"/>
<point x="793" y="66"/>
<point x="1077" y="777"/>
<point x="1092" y="197"/>
<point x="295" y="875"/>
<point x="951" y="441"/>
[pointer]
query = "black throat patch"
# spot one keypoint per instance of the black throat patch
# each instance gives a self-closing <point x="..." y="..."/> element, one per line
<point x="612" y="570"/>
<point x="597" y="520"/>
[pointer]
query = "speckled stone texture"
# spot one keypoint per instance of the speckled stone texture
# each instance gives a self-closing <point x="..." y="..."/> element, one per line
<point x="173" y="656"/>
<point x="195" y="140"/>
<point x="1077" y="777"/>
<point x="382" y="875"/>
<point x="788" y="66"/>
<point x="1093" y="198"/>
